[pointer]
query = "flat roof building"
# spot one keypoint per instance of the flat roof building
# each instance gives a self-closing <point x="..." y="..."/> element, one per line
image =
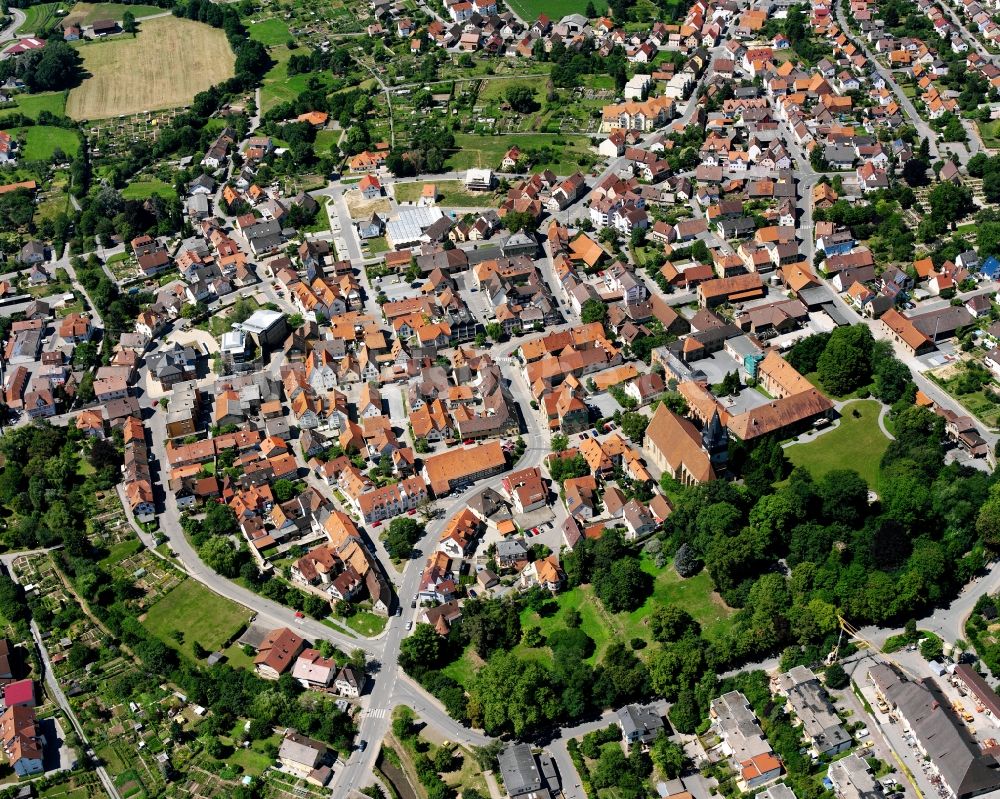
<point x="520" y="773"/>
<point x="852" y="779"/>
<point x="820" y="722"/>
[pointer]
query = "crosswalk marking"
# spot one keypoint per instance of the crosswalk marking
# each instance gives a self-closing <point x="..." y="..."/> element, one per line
<point x="376" y="712"/>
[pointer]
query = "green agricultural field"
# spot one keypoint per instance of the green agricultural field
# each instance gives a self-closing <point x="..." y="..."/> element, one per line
<point x="857" y="442"/>
<point x="474" y="151"/>
<point x="31" y="105"/>
<point x="528" y="10"/>
<point x="269" y="31"/>
<point x="87" y="13"/>
<point x="144" y="189"/>
<point x="197" y="613"/>
<point x="41" y="141"/>
<point x="40" y="18"/>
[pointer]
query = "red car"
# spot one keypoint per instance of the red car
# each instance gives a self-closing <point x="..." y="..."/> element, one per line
<point x="411" y="512"/>
<point x="377" y="524"/>
<point x="467" y="441"/>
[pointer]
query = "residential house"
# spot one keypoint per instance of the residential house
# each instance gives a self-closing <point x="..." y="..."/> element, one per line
<point x="277" y="652"/>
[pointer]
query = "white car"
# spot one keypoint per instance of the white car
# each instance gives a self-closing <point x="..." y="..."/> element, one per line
<point x="409" y="626"/>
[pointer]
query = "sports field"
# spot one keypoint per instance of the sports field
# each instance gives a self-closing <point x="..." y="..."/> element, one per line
<point x="164" y="66"/>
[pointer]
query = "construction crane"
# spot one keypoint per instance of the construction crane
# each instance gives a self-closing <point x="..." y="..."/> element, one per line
<point x="853" y="632"/>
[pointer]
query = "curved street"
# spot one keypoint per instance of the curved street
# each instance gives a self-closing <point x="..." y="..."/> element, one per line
<point x="18" y="17"/>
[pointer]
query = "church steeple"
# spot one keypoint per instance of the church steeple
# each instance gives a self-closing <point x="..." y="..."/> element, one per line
<point x="715" y="440"/>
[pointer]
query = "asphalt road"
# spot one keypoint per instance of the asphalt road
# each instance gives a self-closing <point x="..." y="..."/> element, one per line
<point x="18" y="18"/>
<point x="904" y="102"/>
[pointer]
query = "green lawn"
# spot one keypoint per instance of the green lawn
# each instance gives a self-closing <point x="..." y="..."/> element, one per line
<point x="269" y="31"/>
<point x="31" y="105"/>
<point x="451" y="194"/>
<point x="144" y="189"/>
<point x="592" y="614"/>
<point x="68" y="787"/>
<point x="199" y="614"/>
<point x="326" y="141"/>
<point x="237" y="658"/>
<point x="463" y="670"/>
<point x="989" y="132"/>
<point x="120" y="552"/>
<point x="38" y="19"/>
<point x="856" y="443"/>
<point x="378" y="245"/>
<point x="41" y="141"/>
<point x="528" y="10"/>
<point x="696" y="595"/>
<point x="977" y="402"/>
<point x="495" y="89"/>
<point x="473" y="151"/>
<point x="278" y="86"/>
<point x="321" y="224"/>
<point x="367" y="624"/>
<point x="255" y="760"/>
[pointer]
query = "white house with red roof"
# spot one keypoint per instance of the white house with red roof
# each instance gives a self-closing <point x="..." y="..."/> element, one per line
<point x="370" y="187"/>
